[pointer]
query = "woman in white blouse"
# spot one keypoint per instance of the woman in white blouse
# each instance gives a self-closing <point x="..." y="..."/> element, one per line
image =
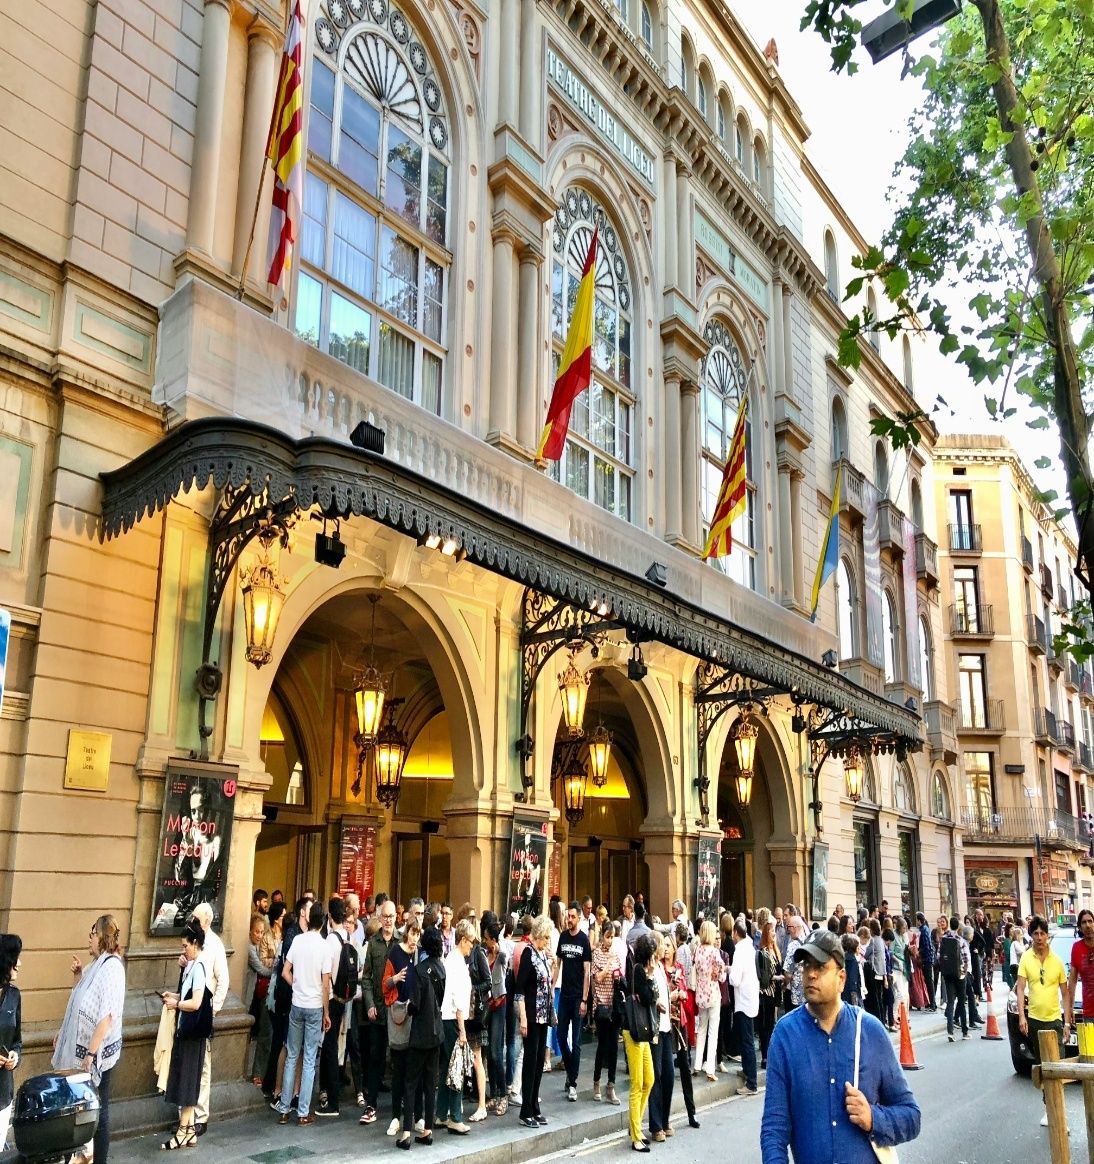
<point x="455" y="1007"/>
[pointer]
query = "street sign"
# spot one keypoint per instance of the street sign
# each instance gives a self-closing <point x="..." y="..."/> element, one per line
<point x="5" y="634"/>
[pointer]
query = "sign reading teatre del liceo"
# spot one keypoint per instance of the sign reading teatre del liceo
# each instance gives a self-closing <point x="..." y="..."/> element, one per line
<point x="582" y="99"/>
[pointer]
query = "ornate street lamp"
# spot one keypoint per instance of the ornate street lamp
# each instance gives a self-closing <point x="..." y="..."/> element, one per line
<point x="744" y="787"/>
<point x="600" y="748"/>
<point x="370" y="687"/>
<point x="263" y="598"/>
<point x="852" y="773"/>
<point x="573" y="686"/>
<point x="389" y="754"/>
<point x="744" y="735"/>
<point x="573" y="788"/>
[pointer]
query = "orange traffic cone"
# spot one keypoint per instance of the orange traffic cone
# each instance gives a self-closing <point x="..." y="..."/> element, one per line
<point x="907" y="1055"/>
<point x="992" y="1029"/>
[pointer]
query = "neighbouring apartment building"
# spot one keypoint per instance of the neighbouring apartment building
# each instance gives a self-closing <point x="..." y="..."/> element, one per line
<point x="231" y="523"/>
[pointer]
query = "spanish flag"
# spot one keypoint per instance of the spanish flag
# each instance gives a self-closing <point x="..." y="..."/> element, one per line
<point x="829" y="555"/>
<point x="733" y="494"/>
<point x="285" y="151"/>
<point x="576" y="368"/>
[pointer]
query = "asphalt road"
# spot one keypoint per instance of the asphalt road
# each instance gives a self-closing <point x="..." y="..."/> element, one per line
<point x="975" y="1111"/>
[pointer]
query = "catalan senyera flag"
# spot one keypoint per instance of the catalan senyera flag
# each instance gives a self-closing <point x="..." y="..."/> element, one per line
<point x="733" y="494"/>
<point x="829" y="555"/>
<point x="576" y="367"/>
<point x="285" y="151"/>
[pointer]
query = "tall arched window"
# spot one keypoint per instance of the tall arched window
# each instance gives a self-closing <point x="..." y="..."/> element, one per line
<point x="759" y="163"/>
<point x="871" y="307"/>
<point x="907" y="348"/>
<point x="917" y="503"/>
<point x="599" y="458"/>
<point x="702" y="100"/>
<point x="926" y="661"/>
<point x="647" y="26"/>
<point x="687" y="66"/>
<point x="831" y="266"/>
<point x="845" y="607"/>
<point x="374" y="260"/>
<point x="742" y="142"/>
<point x="624" y="10"/>
<point x="840" y="447"/>
<point x="903" y="789"/>
<point x="881" y="468"/>
<point x="940" y="798"/>
<point x="891" y="646"/>
<point x="725" y="381"/>
<point x="723" y="118"/>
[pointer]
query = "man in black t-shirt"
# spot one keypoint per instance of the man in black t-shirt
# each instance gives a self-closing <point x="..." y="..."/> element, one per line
<point x="573" y="968"/>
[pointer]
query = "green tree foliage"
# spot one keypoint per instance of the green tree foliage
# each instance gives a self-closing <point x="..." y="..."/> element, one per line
<point x="996" y="207"/>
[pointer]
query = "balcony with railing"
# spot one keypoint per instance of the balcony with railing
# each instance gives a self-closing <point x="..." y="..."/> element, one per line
<point x="862" y="672"/>
<point x="966" y="539"/>
<point x="1085" y="758"/>
<point x="926" y="560"/>
<point x="1027" y="555"/>
<point x="982" y="719"/>
<point x="890" y="523"/>
<point x="1057" y="662"/>
<point x="1035" y="634"/>
<point x="1062" y="603"/>
<point x="1024" y="826"/>
<point x="972" y="622"/>
<point x="1045" y="728"/>
<point x="1066" y="742"/>
<point x="1072" y="675"/>
<point x="1046" y="581"/>
<point x="853" y="488"/>
<point x="1086" y="685"/>
<point x="941" y="722"/>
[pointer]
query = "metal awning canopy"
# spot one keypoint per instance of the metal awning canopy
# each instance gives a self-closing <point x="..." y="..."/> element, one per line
<point x="344" y="481"/>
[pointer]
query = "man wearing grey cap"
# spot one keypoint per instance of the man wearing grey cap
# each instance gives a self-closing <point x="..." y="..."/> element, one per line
<point x="834" y="1086"/>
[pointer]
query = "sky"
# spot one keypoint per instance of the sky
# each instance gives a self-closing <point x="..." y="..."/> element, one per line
<point x="873" y="107"/>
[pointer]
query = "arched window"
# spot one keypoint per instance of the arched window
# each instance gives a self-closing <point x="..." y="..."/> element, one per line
<point x="845" y="608"/>
<point x="869" y="780"/>
<point x="917" y="503"/>
<point x="742" y="141"/>
<point x="881" y="468"/>
<point x="926" y="661"/>
<point x="903" y="789"/>
<point x="871" y="307"/>
<point x="831" y="266"/>
<point x="599" y="458"/>
<point x="647" y="26"/>
<point x="891" y="646"/>
<point x="701" y="98"/>
<point x="940" y="798"/>
<point x="687" y="66"/>
<point x="374" y="266"/>
<point x="725" y="380"/>
<point x="759" y="163"/>
<point x="907" y="348"/>
<point x="624" y="10"/>
<point x="840" y="447"/>
<point x="723" y="120"/>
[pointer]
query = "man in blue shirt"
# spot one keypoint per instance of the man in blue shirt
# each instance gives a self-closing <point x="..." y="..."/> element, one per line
<point x="812" y="1107"/>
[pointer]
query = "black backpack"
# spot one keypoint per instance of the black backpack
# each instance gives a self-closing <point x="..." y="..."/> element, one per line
<point x="345" y="978"/>
<point x="949" y="956"/>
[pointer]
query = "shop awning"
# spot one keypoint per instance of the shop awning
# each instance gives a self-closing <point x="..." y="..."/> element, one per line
<point x="343" y="480"/>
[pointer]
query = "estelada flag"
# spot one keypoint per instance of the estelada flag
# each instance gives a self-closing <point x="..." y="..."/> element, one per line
<point x="576" y="368"/>
<point x="733" y="494"/>
<point x="285" y="151"/>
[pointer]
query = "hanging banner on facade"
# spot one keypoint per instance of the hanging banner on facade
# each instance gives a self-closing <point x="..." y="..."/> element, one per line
<point x="871" y="565"/>
<point x="708" y="878"/>
<point x="5" y="635"/>
<point x="913" y="632"/>
<point x="820" y="880"/>
<point x="356" y="858"/>
<point x="195" y="836"/>
<point x="527" y="863"/>
<point x="554" y="873"/>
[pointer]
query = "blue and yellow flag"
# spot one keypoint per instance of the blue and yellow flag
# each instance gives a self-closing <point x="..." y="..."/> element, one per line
<point x="829" y="555"/>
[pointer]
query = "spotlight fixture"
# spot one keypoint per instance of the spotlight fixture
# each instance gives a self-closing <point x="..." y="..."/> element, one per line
<point x="658" y="574"/>
<point x="829" y="658"/>
<point x="797" y="723"/>
<point x="636" y="665"/>
<point x="329" y="548"/>
<point x="369" y="437"/>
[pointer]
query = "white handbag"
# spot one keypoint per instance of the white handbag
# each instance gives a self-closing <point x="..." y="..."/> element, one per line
<point x="887" y="1154"/>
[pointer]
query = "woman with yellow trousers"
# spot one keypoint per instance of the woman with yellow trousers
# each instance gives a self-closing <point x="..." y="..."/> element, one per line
<point x="639" y="1055"/>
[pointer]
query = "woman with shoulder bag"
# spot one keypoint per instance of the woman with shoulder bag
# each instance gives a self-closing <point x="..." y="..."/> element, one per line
<point x="535" y="1012"/>
<point x="710" y="972"/>
<point x="495" y="1035"/>
<point x="478" y="1020"/>
<point x="640" y="1028"/>
<point x="663" y="1047"/>
<point x="606" y="974"/>
<point x="455" y="1009"/>
<point x="193" y="1002"/>
<point x="399" y="988"/>
<point x="769" y="971"/>
<point x="426" y="1036"/>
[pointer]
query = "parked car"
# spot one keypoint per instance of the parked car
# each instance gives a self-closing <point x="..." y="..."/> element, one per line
<point x="1061" y="941"/>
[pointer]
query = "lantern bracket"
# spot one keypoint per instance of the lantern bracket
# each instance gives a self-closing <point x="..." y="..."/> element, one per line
<point x="241" y="515"/>
<point x="546" y="626"/>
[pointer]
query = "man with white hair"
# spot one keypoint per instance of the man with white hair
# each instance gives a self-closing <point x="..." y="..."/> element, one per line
<point x="679" y="916"/>
<point x="215" y="961"/>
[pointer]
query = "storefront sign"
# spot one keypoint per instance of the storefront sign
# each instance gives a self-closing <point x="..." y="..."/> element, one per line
<point x="820" y="880"/>
<point x="708" y="878"/>
<point x="195" y="837"/>
<point x="527" y="861"/>
<point x="992" y="884"/>
<point x="87" y="763"/>
<point x="356" y="858"/>
<point x="570" y="85"/>
<point x="711" y="239"/>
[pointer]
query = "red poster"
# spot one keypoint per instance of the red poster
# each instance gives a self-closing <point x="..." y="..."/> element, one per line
<point x="357" y="859"/>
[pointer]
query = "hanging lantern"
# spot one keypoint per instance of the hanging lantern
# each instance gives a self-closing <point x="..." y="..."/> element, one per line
<point x="744" y="735"/>
<point x="370" y="687"/>
<point x="744" y="786"/>
<point x="852" y="773"/>
<point x="573" y="788"/>
<point x="389" y="754"/>
<point x="574" y="689"/>
<point x="600" y="748"/>
<point x="263" y="598"/>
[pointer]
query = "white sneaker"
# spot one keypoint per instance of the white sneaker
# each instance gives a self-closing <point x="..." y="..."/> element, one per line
<point x="515" y="1098"/>
<point x="419" y="1128"/>
<point x="393" y="1128"/>
<point x="1044" y="1120"/>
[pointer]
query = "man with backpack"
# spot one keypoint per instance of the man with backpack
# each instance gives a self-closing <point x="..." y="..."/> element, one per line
<point x="376" y="952"/>
<point x="343" y="987"/>
<point x="954" y="964"/>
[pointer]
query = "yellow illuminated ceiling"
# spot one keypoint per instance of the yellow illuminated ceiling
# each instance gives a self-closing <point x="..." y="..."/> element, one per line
<point x="431" y="753"/>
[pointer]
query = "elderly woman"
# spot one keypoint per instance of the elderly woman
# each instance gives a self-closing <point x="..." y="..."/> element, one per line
<point x="532" y="995"/>
<point x="188" y="1052"/>
<point x="796" y="928"/>
<point x="454" y="1012"/>
<point x="261" y="952"/>
<point x="90" y="1038"/>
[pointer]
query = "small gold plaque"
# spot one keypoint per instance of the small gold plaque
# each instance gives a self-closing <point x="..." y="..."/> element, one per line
<point x="87" y="766"/>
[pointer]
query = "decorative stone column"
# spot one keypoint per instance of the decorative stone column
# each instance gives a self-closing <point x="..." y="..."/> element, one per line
<point x="777" y="346"/>
<point x="672" y="471"/>
<point x="685" y="270"/>
<point x="666" y="855"/>
<point x="797" y="552"/>
<point x="669" y="211"/>
<point x="531" y="76"/>
<point x="786" y="520"/>
<point x="509" y="49"/>
<point x="689" y="461"/>
<point x="262" y="45"/>
<point x="503" y="347"/>
<point x="788" y="342"/>
<point x="528" y="361"/>
<point x="209" y="126"/>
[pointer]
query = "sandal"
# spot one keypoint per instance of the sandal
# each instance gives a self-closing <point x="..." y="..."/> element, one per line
<point x="501" y="1107"/>
<point x="477" y="1116"/>
<point x="184" y="1137"/>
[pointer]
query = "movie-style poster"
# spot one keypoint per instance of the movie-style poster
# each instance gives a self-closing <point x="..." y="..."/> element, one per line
<point x="527" y="867"/>
<point x="195" y="836"/>
<point x="820" y="880"/>
<point x="709" y="876"/>
<point x="356" y="858"/>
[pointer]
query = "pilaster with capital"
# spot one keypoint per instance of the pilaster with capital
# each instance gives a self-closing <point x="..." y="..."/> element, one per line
<point x="209" y="125"/>
<point x="528" y="361"/>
